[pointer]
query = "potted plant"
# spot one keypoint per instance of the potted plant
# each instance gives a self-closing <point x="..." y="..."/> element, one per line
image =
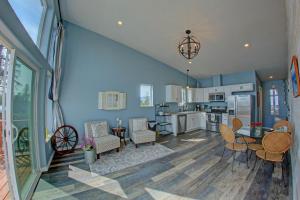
<point x="89" y="149"/>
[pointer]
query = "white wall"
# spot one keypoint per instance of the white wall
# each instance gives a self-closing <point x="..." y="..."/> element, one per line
<point x="293" y="22"/>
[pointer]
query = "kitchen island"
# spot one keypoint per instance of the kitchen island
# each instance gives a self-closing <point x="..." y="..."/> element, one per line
<point x="187" y="121"/>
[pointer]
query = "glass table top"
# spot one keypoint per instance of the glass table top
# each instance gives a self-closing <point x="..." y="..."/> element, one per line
<point x="255" y="132"/>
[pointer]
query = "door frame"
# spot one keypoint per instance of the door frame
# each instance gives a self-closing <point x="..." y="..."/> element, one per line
<point x="15" y="53"/>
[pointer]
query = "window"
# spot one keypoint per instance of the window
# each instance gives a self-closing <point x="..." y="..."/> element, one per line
<point x="31" y="14"/>
<point x="146" y="95"/>
<point x="274" y="103"/>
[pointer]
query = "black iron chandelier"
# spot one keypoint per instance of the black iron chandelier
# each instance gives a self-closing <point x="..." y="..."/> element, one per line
<point x="189" y="47"/>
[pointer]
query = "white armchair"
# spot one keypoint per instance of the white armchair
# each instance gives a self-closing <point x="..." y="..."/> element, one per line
<point x="98" y="130"/>
<point x="139" y="133"/>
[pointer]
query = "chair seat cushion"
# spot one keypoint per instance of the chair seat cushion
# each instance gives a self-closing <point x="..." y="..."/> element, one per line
<point x="236" y="146"/>
<point x="248" y="140"/>
<point x="143" y="136"/>
<point x="275" y="157"/>
<point x="107" y="143"/>
<point x="255" y="147"/>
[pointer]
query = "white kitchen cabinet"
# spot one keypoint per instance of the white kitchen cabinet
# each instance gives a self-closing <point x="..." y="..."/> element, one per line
<point x="206" y="95"/>
<point x="192" y="121"/>
<point x="199" y="92"/>
<point x="173" y="93"/>
<point x="247" y="87"/>
<point x="195" y="95"/>
<point x="174" y="125"/>
<point x="202" y="116"/>
<point x="216" y="89"/>
<point x="227" y="91"/>
<point x="191" y="95"/>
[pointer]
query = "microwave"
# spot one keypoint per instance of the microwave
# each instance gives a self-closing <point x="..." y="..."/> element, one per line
<point x="213" y="97"/>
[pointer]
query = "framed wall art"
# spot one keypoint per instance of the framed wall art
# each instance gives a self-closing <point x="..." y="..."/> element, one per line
<point x="295" y="81"/>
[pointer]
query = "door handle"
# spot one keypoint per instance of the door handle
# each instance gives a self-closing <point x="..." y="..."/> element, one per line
<point x="17" y="133"/>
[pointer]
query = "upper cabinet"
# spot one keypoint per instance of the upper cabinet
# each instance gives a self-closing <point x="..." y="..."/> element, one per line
<point x="206" y="94"/>
<point x="227" y="91"/>
<point x="199" y="94"/>
<point x="216" y="89"/>
<point x="243" y="87"/>
<point x="195" y="95"/>
<point x="191" y="95"/>
<point x="173" y="93"/>
<point x="247" y="87"/>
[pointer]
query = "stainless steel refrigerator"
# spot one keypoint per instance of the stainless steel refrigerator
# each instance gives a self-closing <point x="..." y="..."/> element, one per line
<point x="242" y="107"/>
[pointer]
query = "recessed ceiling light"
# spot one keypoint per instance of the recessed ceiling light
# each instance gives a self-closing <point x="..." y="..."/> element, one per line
<point x="190" y="62"/>
<point x="120" y="23"/>
<point x="270" y="77"/>
<point x="246" y="45"/>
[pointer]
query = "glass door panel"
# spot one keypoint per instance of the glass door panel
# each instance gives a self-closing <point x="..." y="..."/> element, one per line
<point x="22" y="117"/>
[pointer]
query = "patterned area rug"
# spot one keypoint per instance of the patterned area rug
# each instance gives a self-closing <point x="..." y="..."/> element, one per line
<point x="128" y="156"/>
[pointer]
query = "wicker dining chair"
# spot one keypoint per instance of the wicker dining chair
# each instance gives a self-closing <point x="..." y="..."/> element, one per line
<point x="275" y="145"/>
<point x="283" y="124"/>
<point x="231" y="144"/>
<point x="237" y="124"/>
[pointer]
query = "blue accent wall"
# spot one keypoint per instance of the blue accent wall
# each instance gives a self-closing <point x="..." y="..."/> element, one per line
<point x="207" y="82"/>
<point x="280" y="85"/>
<point x="93" y="63"/>
<point x="239" y="78"/>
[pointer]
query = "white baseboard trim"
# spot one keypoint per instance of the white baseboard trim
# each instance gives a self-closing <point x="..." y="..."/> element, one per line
<point x="45" y="169"/>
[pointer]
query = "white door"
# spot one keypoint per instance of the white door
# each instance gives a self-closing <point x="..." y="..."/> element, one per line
<point x="20" y="125"/>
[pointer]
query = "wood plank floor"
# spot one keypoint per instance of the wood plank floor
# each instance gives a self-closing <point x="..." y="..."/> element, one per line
<point x="4" y="187"/>
<point x="194" y="171"/>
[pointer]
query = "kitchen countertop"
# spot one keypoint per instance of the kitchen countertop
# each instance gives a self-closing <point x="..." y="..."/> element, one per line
<point x="187" y="112"/>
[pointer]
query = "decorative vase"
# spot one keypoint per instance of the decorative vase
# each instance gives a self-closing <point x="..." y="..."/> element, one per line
<point x="90" y="156"/>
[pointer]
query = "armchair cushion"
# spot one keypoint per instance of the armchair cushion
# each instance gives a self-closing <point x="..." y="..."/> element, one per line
<point x="145" y="136"/>
<point x="139" y="124"/>
<point x="96" y="129"/>
<point x="99" y="129"/>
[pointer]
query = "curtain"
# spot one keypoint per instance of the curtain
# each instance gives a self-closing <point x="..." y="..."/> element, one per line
<point x="58" y="119"/>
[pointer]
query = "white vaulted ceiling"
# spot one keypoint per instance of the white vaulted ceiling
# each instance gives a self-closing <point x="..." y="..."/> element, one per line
<point x="154" y="27"/>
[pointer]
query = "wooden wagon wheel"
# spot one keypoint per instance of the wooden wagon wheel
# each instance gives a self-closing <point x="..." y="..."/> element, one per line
<point x="23" y="140"/>
<point x="64" y="139"/>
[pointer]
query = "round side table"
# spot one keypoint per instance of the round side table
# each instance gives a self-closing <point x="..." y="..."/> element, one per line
<point x="120" y="132"/>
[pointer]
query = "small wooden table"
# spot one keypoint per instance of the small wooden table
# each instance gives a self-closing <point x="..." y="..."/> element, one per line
<point x="120" y="132"/>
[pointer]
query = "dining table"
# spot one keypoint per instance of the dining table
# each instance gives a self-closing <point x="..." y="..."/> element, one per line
<point x="257" y="132"/>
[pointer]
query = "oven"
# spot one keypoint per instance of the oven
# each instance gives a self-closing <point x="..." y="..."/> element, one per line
<point x="213" y="121"/>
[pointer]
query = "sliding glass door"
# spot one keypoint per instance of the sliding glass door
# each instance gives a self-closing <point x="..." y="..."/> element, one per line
<point x="20" y="125"/>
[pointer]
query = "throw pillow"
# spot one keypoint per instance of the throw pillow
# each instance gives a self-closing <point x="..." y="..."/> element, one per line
<point x="99" y="129"/>
<point x="139" y="125"/>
